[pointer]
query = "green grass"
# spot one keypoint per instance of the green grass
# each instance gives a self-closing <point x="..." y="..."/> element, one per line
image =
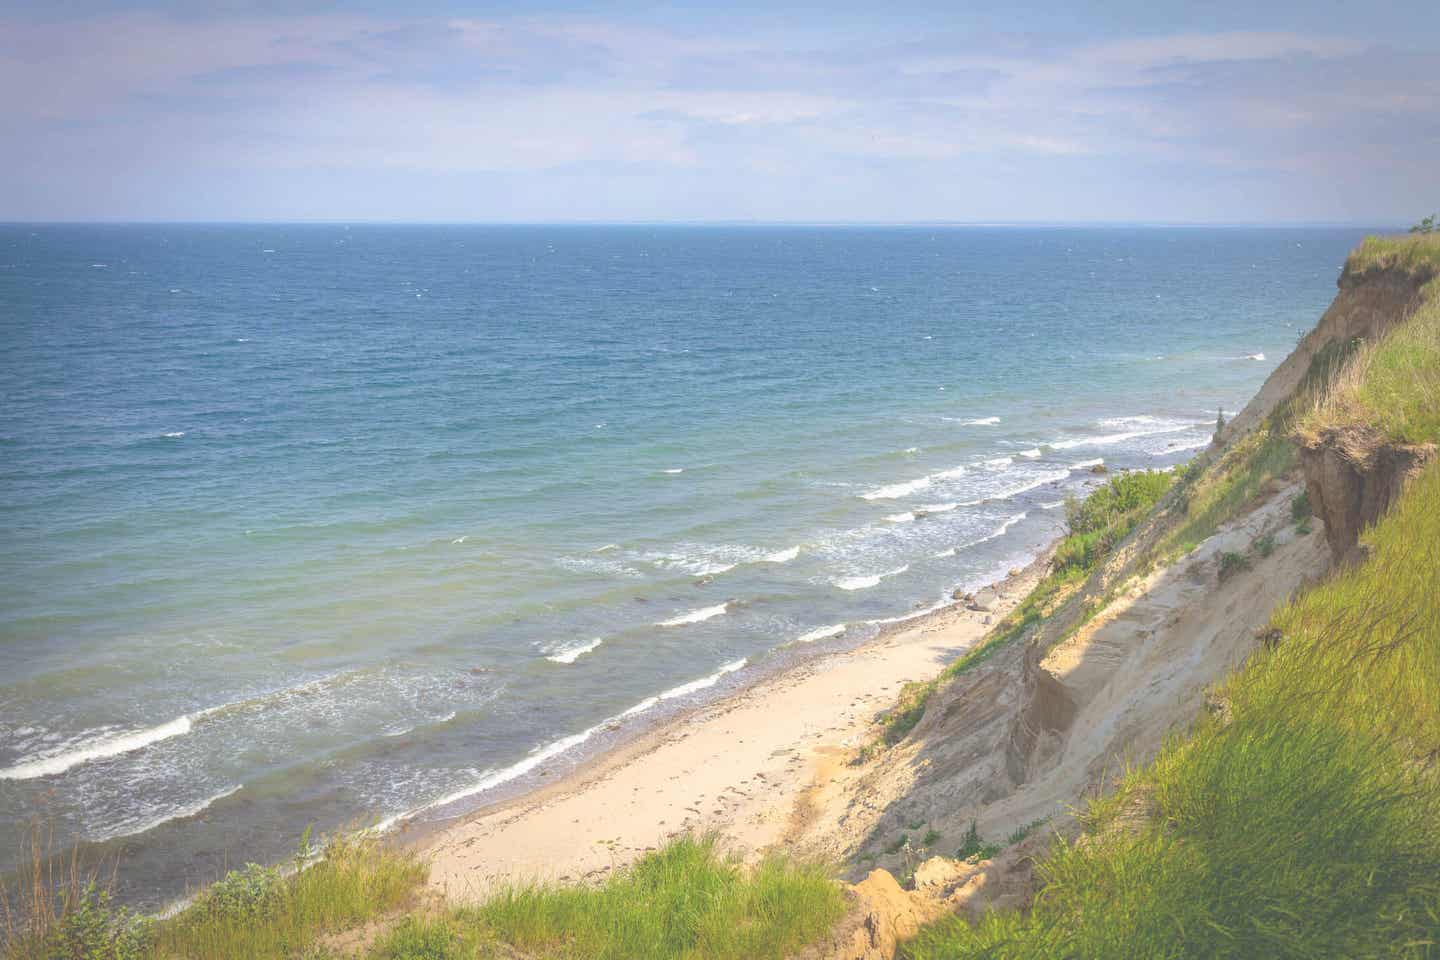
<point x="1096" y="525"/>
<point x="1417" y="254"/>
<point x="1308" y="825"/>
<point x="1389" y="392"/>
<point x="1211" y="495"/>
<point x="685" y="901"/>
<point x="256" y="913"/>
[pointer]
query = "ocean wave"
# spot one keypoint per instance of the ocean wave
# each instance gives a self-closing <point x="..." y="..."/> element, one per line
<point x="1026" y="487"/>
<point x="144" y="824"/>
<point x="696" y="616"/>
<point x="1052" y="505"/>
<point x="675" y="470"/>
<point x="997" y="462"/>
<point x="864" y="583"/>
<point x="1087" y="464"/>
<point x="1031" y="454"/>
<point x="912" y="615"/>
<point x="99" y="748"/>
<point x="1254" y="356"/>
<point x="821" y="633"/>
<point x="900" y="517"/>
<point x="930" y="508"/>
<point x="896" y="490"/>
<point x="781" y="556"/>
<point x="573" y="653"/>
<point x="173" y="435"/>
<point x="973" y="421"/>
<point x="694" y="686"/>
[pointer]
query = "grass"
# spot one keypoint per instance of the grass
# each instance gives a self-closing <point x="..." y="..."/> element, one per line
<point x="1308" y="825"/>
<point x="1417" y="254"/>
<point x="973" y="849"/>
<point x="1389" y="392"/>
<point x="1095" y="526"/>
<point x="254" y="913"/>
<point x="1211" y="495"/>
<point x="685" y="901"/>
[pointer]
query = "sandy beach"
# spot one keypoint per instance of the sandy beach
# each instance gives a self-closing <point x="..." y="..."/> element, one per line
<point x="745" y="767"/>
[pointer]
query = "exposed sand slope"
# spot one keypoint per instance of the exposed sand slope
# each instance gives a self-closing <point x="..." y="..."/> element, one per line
<point x="745" y="767"/>
<point x="1014" y="741"/>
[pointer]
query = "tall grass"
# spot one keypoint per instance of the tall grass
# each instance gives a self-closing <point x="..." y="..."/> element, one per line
<point x="256" y="913"/>
<point x="259" y="913"/>
<point x="1417" y="254"/>
<point x="683" y="902"/>
<point x="1390" y="390"/>
<point x="1302" y="822"/>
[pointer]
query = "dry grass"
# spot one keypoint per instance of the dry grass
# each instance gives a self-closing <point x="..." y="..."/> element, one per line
<point x="1388" y="392"/>
<point x="1416" y="254"/>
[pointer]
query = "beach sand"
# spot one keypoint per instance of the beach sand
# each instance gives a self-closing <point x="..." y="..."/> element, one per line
<point x="746" y="767"/>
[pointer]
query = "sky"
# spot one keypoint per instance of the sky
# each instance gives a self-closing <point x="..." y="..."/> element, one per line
<point x="1065" y="111"/>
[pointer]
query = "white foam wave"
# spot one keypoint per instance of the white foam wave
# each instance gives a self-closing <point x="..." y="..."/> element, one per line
<point x="461" y="539"/>
<point x="676" y="470"/>
<point x="944" y="553"/>
<point x="913" y="615"/>
<point x="1255" y="356"/>
<point x="573" y="653"/>
<point x="137" y="825"/>
<point x="1052" y="505"/>
<point x="997" y="462"/>
<point x="1030" y="454"/>
<point x="1109" y="438"/>
<point x="495" y="778"/>
<point x="696" y="616"/>
<point x="896" y="490"/>
<point x="1087" y="464"/>
<point x="863" y="583"/>
<point x="900" y="517"/>
<point x="110" y="745"/>
<point x="938" y="507"/>
<point x="821" y="633"/>
<point x="975" y="421"/>
<point x="174" y="435"/>
<point x="782" y="556"/>
<point x="606" y="548"/>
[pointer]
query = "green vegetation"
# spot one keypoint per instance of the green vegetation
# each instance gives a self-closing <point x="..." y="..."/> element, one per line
<point x="1427" y="225"/>
<point x="1104" y="518"/>
<point x="1300" y="508"/>
<point x="1417" y="254"/>
<point x="683" y="901"/>
<point x="1304" y="819"/>
<point x="973" y="849"/>
<point x="1096" y="525"/>
<point x="1264" y="545"/>
<point x="256" y="912"/>
<point x="1209" y="496"/>
<point x="931" y="838"/>
<point x="1304" y="824"/>
<point x="1232" y="563"/>
<point x="1021" y="832"/>
<point x="1390" y="391"/>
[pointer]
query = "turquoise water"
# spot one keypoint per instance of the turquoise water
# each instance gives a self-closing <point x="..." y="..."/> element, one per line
<point x="325" y="523"/>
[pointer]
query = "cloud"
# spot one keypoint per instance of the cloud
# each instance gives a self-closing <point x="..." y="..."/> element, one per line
<point x="584" y="117"/>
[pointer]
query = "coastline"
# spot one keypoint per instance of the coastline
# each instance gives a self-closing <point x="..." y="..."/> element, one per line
<point x="742" y="767"/>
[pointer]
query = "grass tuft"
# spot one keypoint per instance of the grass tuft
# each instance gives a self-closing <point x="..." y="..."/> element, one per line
<point x="683" y="901"/>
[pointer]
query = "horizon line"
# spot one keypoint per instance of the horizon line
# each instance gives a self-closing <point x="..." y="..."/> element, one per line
<point x="707" y="222"/>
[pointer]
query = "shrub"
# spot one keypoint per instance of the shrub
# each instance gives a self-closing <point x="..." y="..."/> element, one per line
<point x="973" y="849"/>
<point x="1265" y="545"/>
<point x="1232" y="563"/>
<point x="1300" y="508"/>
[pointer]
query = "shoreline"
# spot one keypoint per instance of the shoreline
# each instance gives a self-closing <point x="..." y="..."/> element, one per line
<point x="740" y="766"/>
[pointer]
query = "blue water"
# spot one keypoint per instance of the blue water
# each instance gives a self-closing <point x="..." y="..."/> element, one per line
<point x="327" y="524"/>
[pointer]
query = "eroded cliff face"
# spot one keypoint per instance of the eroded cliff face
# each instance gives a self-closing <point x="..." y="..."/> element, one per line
<point x="1368" y="304"/>
<point x="1352" y="480"/>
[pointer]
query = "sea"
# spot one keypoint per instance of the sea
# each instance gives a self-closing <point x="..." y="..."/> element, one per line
<point x="364" y="526"/>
